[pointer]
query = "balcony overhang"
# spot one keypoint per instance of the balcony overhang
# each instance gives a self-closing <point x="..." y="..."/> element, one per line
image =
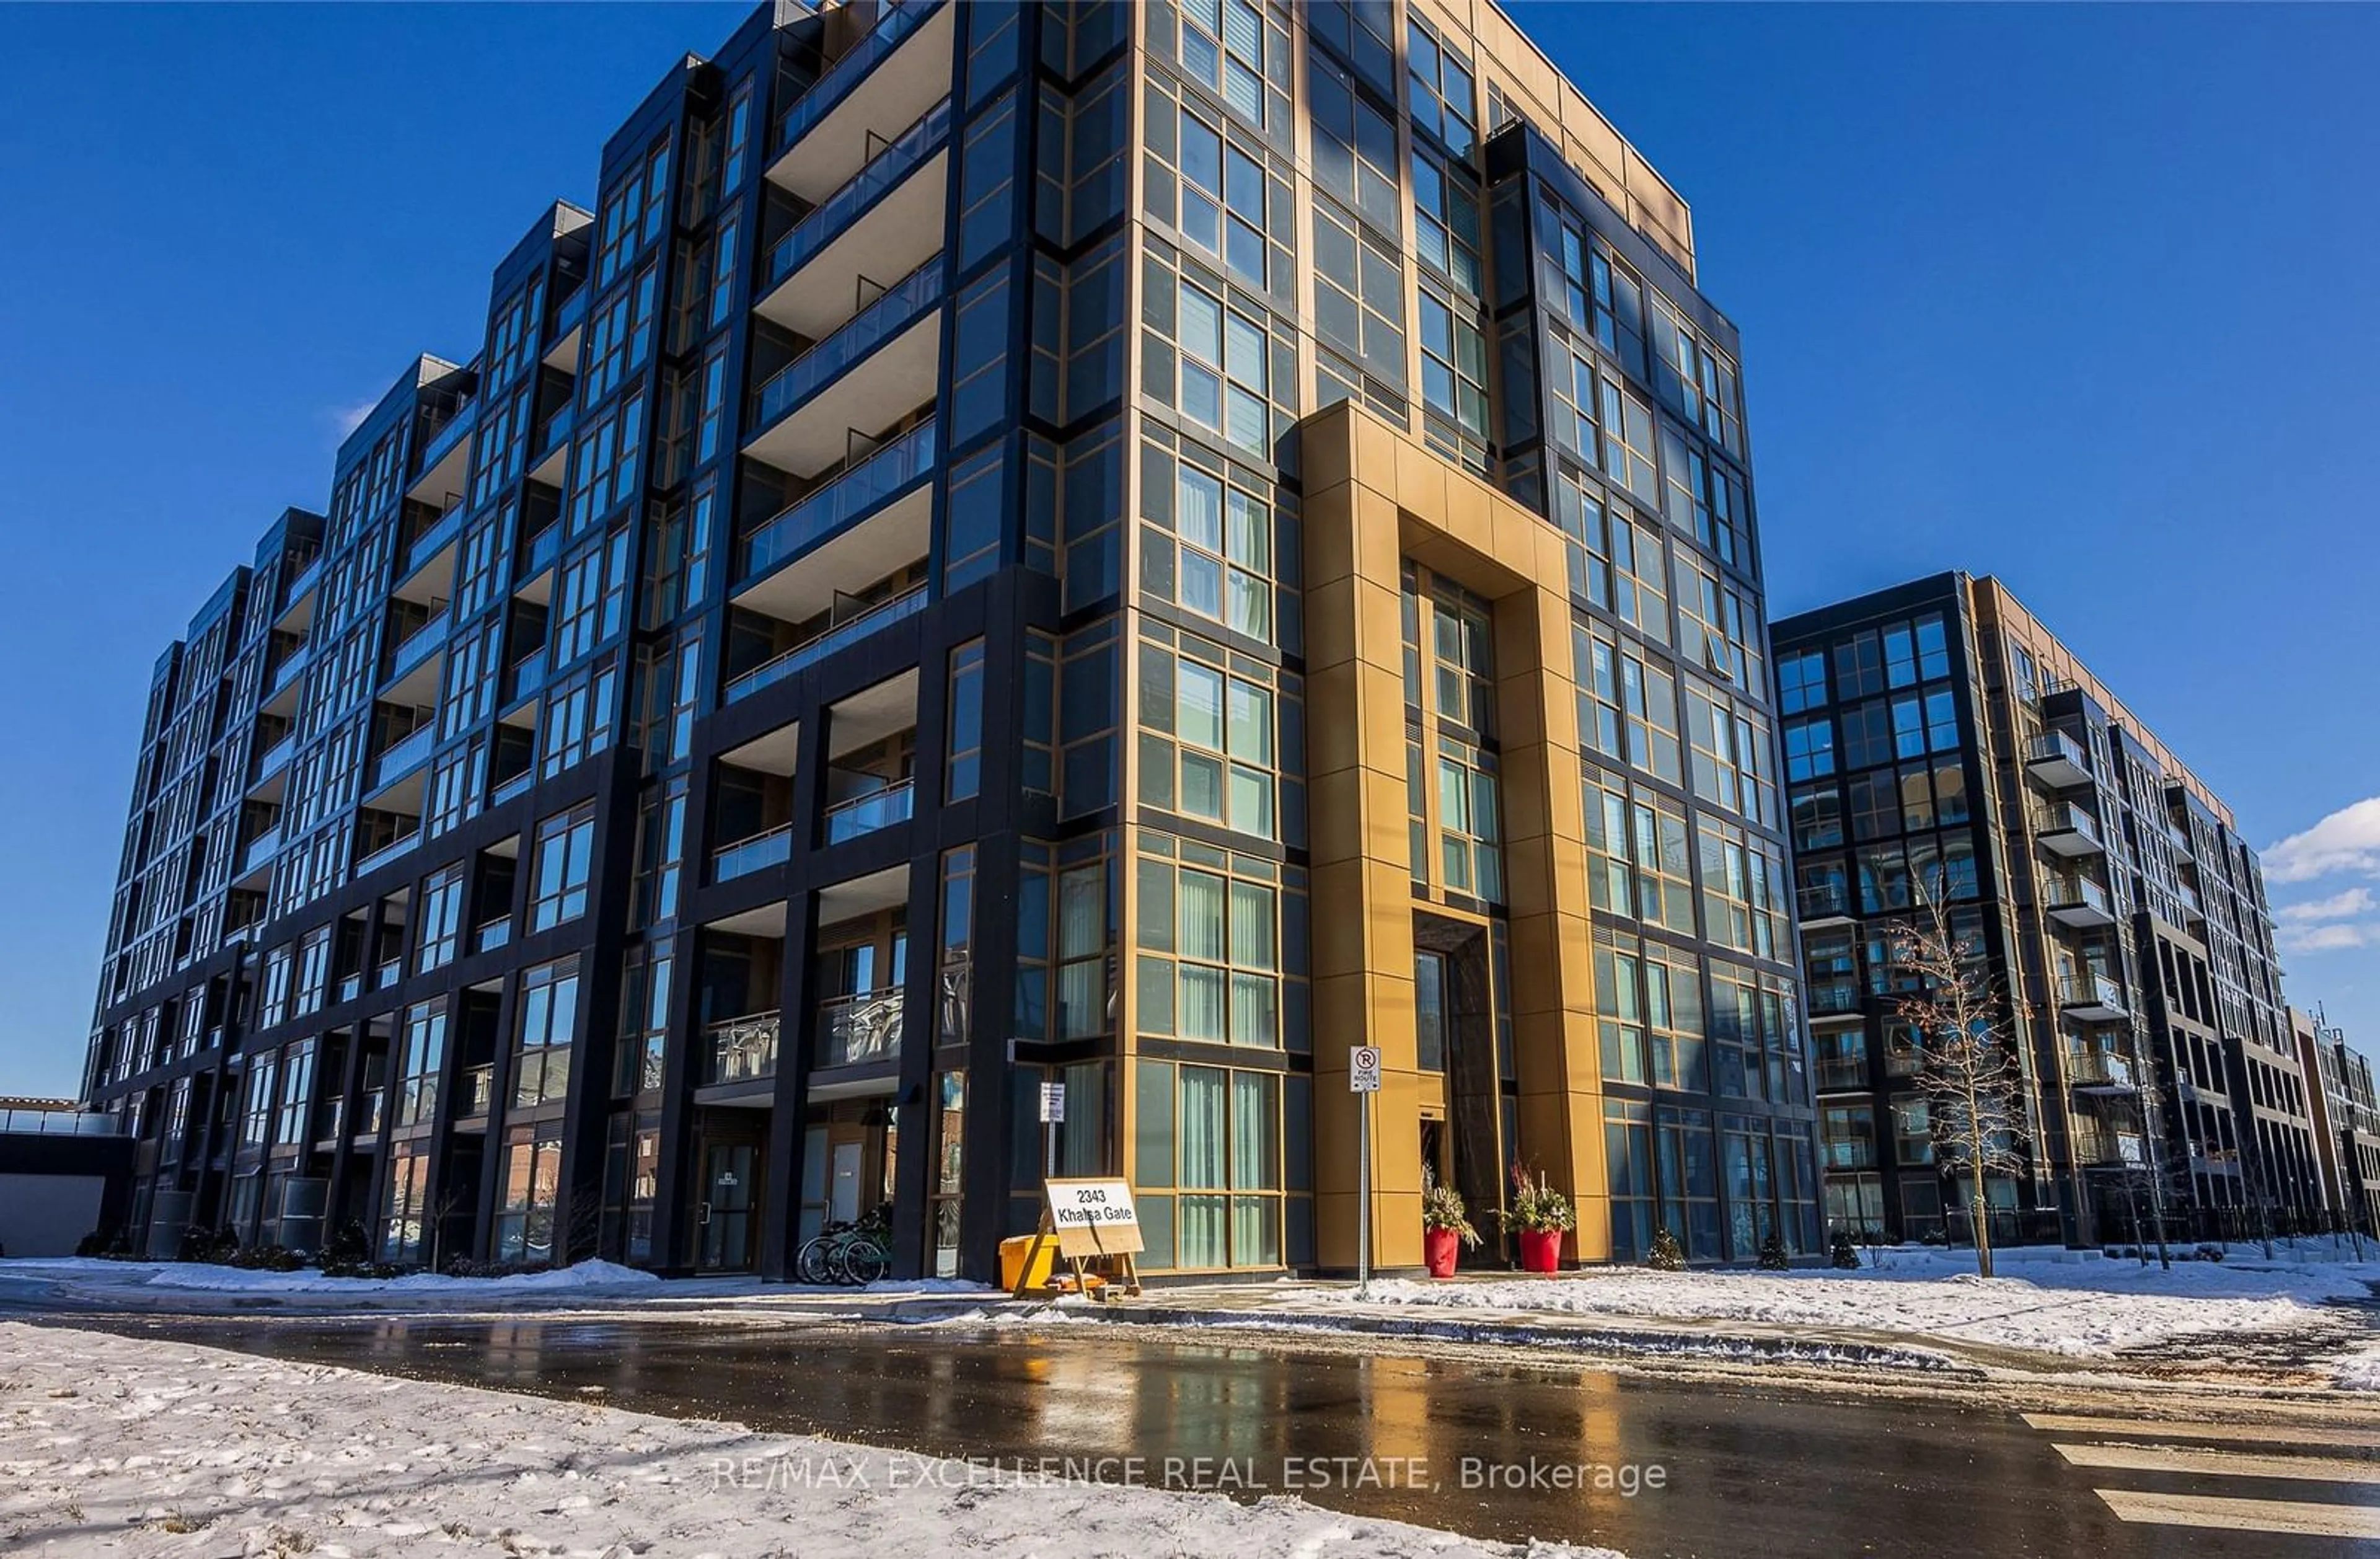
<point x="898" y="533"/>
<point x="816" y="434"/>
<point x="893" y="92"/>
<point x="2095" y="1006"/>
<point x="2057" y="767"/>
<point x="2082" y="914"/>
<point x="773" y="753"/>
<point x="878" y="891"/>
<point x="887" y="241"/>
<point x="2066" y="840"/>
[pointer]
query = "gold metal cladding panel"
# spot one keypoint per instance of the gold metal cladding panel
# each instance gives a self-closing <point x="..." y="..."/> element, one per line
<point x="1374" y="498"/>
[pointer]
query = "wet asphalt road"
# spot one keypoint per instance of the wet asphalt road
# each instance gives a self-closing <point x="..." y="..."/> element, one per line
<point x="1745" y="1472"/>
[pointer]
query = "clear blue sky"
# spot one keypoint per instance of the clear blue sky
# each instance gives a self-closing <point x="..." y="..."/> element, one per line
<point x="2080" y="297"/>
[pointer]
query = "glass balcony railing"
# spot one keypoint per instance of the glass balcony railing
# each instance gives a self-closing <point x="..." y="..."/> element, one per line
<point x="1831" y="901"/>
<point x="2068" y="820"/>
<point x="307" y="573"/>
<point x="2058" y="758"/>
<point x="543" y="548"/>
<point x="2094" y="991"/>
<point x="557" y="428"/>
<point x="289" y="665"/>
<point x="402" y="756"/>
<point x="863" y="485"/>
<point x="2093" y="1067"/>
<point x="2079" y="898"/>
<point x="511" y="785"/>
<point x="420" y="646"/>
<point x="274" y="758"/>
<point x="450" y="433"/>
<point x="445" y="529"/>
<point x="1833" y="1000"/>
<point x="811" y="650"/>
<point x="901" y="304"/>
<point x="901" y="157"/>
<point x="259" y="851"/>
<point x="755" y="854"/>
<point x="63" y="1123"/>
<point x="2098" y="1145"/>
<point x="742" y="1050"/>
<point x="856" y="1030"/>
<point x="388" y="852"/>
<point x="525" y="677"/>
<point x="478" y="1093"/>
<point x="572" y="313"/>
<point x="865" y="814"/>
<point x="491" y="934"/>
<point x="896" y="21"/>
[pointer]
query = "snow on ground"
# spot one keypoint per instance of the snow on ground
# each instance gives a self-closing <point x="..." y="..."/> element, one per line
<point x="141" y="1447"/>
<point x="2086" y="1309"/>
<point x="2358" y="1371"/>
<point x="590" y="1280"/>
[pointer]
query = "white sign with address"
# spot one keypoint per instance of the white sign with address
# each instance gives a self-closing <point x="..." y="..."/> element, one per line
<point x="1093" y="1217"/>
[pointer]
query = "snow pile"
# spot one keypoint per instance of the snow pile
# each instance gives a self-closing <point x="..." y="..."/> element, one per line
<point x="2358" y="1371"/>
<point x="144" y="1447"/>
<point x="581" y="1277"/>
<point x="2084" y="1310"/>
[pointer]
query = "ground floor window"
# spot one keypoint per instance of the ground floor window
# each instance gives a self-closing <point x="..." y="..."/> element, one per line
<point x="1213" y="1137"/>
<point x="950" y="1138"/>
<point x="1855" y="1205"/>
<point x="403" y="1204"/>
<point x="632" y="1161"/>
<point x="532" y="1187"/>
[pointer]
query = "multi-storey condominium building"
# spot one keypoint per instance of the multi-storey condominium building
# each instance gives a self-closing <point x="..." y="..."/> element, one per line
<point x="2346" y="1109"/>
<point x="1133" y="546"/>
<point x="1941" y="746"/>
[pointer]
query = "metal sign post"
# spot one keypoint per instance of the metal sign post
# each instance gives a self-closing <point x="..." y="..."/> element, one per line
<point x="1053" y="1116"/>
<point x="1363" y="1081"/>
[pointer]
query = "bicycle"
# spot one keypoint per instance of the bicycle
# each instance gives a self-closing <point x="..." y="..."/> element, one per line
<point x="850" y="1253"/>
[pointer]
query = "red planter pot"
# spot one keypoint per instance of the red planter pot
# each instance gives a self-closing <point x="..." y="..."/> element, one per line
<point x="1540" y="1251"/>
<point x="1438" y="1249"/>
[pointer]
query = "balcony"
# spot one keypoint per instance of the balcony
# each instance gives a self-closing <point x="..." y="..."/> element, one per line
<point x="758" y="853"/>
<point x="297" y="595"/>
<point x="2058" y="761"/>
<point x="417" y="647"/>
<point x="272" y="759"/>
<point x="2065" y="828"/>
<point x="888" y="354"/>
<point x="883" y="222"/>
<point x="2094" y="1069"/>
<point x="479" y="1095"/>
<point x="865" y="814"/>
<point x="2078" y="903"/>
<point x="548" y="463"/>
<point x="2098" y="1146"/>
<point x="2092" y="998"/>
<point x="563" y="333"/>
<point x="259" y="851"/>
<point x="524" y="677"/>
<point x="369" y="1112"/>
<point x="389" y="852"/>
<point x="435" y="537"/>
<point x="860" y="1029"/>
<point x="489" y="935"/>
<point x="857" y="93"/>
<point x="741" y="1049"/>
<point x="445" y="459"/>
<point x="401" y="757"/>
<point x="1835" y="999"/>
<point x="836" y="638"/>
<point x="868" y="483"/>
<point x="1829" y="906"/>
<point x="285" y="669"/>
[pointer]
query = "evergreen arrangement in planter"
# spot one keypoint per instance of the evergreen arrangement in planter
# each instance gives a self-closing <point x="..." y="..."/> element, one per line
<point x="1539" y="1215"/>
<point x="1667" y="1255"/>
<point x="1772" y="1253"/>
<point x="1445" y="1228"/>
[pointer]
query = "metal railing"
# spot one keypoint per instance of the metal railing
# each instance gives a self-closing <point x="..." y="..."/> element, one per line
<point x="895" y="21"/>
<point x="856" y="1030"/>
<point x="757" y="853"/>
<point x="524" y="675"/>
<point x="865" y="814"/>
<point x="2064" y="817"/>
<point x="388" y="851"/>
<point x="404" y="754"/>
<point x="850" y="631"/>
<point x="900" y="305"/>
<point x="2054" y="747"/>
<point x="2090" y="1066"/>
<point x="418" y="645"/>
<point x="859" y="487"/>
<point x="2090" y="991"/>
<point x="742" y="1050"/>
<point x="2077" y="893"/>
<point x="63" y="1123"/>
<point x="2099" y="1145"/>
<point x="902" y="156"/>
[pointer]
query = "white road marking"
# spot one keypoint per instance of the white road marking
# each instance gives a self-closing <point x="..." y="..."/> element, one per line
<point x="2279" y="1434"/>
<point x="2291" y="1516"/>
<point x="2221" y="1464"/>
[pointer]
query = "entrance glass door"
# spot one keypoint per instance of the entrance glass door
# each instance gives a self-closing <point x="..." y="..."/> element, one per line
<point x="729" y="1177"/>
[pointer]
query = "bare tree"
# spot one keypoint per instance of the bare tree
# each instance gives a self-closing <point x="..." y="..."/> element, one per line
<point x="1969" y="1075"/>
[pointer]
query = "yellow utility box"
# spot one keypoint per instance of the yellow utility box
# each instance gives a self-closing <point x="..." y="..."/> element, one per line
<point x="1014" y="1254"/>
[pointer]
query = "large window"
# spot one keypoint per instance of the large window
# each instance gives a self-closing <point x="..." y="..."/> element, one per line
<point x="1210" y="743"/>
<point x="1213" y="1137"/>
<point x="442" y="918"/>
<point x="549" y="1018"/>
<point x="1218" y="561"/>
<point x="533" y="1189"/>
<point x="565" y="845"/>
<point x="1470" y="833"/>
<point x="423" y="1062"/>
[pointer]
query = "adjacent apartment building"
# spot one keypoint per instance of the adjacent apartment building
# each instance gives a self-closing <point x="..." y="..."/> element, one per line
<point x="2346" y="1108"/>
<point x="1940" y="741"/>
<point x="1137" y="546"/>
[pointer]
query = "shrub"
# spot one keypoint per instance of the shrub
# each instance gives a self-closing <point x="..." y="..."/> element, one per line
<point x="1842" y="1252"/>
<point x="1666" y="1255"/>
<point x="1441" y="1207"/>
<point x="112" y="1244"/>
<point x="1535" y="1207"/>
<point x="471" y="1266"/>
<point x="266" y="1259"/>
<point x="1773" y="1257"/>
<point x="1934" y="1237"/>
<point x="2207" y="1253"/>
<point x="200" y="1243"/>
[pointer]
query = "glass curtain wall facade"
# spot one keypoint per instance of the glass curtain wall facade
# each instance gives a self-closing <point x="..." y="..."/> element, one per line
<point x="870" y="563"/>
<point x="1940" y="744"/>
